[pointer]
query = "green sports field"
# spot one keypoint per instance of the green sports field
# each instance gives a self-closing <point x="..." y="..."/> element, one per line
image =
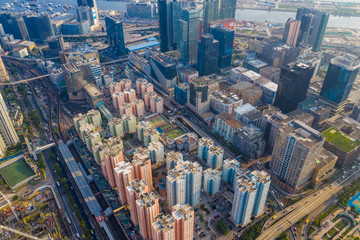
<point x="16" y="172"/>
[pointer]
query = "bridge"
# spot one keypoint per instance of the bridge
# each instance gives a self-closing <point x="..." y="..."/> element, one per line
<point x="37" y="149"/>
<point x="27" y="80"/>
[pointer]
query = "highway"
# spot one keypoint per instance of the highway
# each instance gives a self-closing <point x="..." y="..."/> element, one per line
<point x="305" y="206"/>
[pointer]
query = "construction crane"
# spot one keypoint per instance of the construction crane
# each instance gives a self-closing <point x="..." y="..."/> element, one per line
<point x="20" y="233"/>
<point x="11" y="206"/>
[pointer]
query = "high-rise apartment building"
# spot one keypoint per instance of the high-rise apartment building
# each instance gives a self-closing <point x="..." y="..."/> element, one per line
<point x="134" y="190"/>
<point x="163" y="227"/>
<point x="112" y="157"/>
<point x="225" y="36"/>
<point x="142" y="166"/>
<point x="175" y="187"/>
<point x="250" y="195"/>
<point x="173" y="159"/>
<point x="199" y="95"/>
<point x="124" y="173"/>
<point x="313" y="26"/>
<point x="193" y="173"/>
<point x="184" y="221"/>
<point x="230" y="167"/>
<point x="215" y="157"/>
<point x="147" y="209"/>
<point x="291" y="32"/>
<point x="13" y="23"/>
<point x="296" y="150"/>
<point x="339" y="81"/>
<point x="212" y="181"/>
<point x="188" y="35"/>
<point x="208" y="55"/>
<point x="6" y="127"/>
<point x="204" y="145"/>
<point x="156" y="152"/>
<point x="115" y="34"/>
<point x="293" y="85"/>
<point x="4" y="75"/>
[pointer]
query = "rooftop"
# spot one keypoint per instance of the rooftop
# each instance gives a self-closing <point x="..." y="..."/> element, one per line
<point x="230" y="120"/>
<point x="304" y="134"/>
<point x="141" y="46"/>
<point x="244" y="109"/>
<point x="224" y="97"/>
<point x="92" y="90"/>
<point x="163" y="223"/>
<point x="340" y="139"/>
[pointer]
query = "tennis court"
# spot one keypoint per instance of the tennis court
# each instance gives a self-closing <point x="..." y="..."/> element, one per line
<point x="355" y="201"/>
<point x="157" y="121"/>
<point x="16" y="172"/>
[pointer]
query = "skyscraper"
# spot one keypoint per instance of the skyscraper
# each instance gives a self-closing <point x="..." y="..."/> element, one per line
<point x="313" y="26"/>
<point x="250" y="195"/>
<point x="188" y="35"/>
<point x="142" y="166"/>
<point x="13" y="23"/>
<point x="204" y="145"/>
<point x="6" y="127"/>
<point x="293" y="85"/>
<point x="92" y="9"/>
<point x="169" y="13"/>
<point x="163" y="227"/>
<point x="199" y="95"/>
<point x="225" y="36"/>
<point x="39" y="26"/>
<point x="296" y="149"/>
<point x="339" y="80"/>
<point x="115" y="34"/>
<point x="124" y="173"/>
<point x="4" y="75"/>
<point x="175" y="187"/>
<point x="148" y="209"/>
<point x="227" y="9"/>
<point x="56" y="44"/>
<point x="215" y="10"/>
<point x="193" y="173"/>
<point x="291" y="32"/>
<point x="208" y="55"/>
<point x="215" y="157"/>
<point x="184" y="221"/>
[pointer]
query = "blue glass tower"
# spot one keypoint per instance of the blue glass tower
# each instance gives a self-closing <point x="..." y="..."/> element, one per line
<point x="340" y="78"/>
<point x="225" y="36"/>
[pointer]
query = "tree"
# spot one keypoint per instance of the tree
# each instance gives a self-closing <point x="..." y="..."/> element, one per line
<point x="223" y="227"/>
<point x="283" y="236"/>
<point x="16" y="197"/>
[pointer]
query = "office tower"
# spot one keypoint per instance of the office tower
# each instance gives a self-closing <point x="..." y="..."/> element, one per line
<point x="142" y="166"/>
<point x="180" y="92"/>
<point x="6" y="127"/>
<point x="251" y="191"/>
<point x="212" y="181"/>
<point x="215" y="157"/>
<point x="175" y="187"/>
<point x="147" y="209"/>
<point x="124" y="173"/>
<point x="293" y="85"/>
<point x="244" y="197"/>
<point x="39" y="26"/>
<point x="134" y="190"/>
<point x="296" y="150"/>
<point x="2" y="31"/>
<point x="4" y="75"/>
<point x="156" y="152"/>
<point x="163" y="69"/>
<point x="262" y="183"/>
<point x="56" y="44"/>
<point x="115" y="34"/>
<point x="92" y="9"/>
<point x="173" y="159"/>
<point x="204" y="145"/>
<point x="225" y="36"/>
<point x="163" y="227"/>
<point x="184" y="221"/>
<point x="291" y="32"/>
<point x="210" y="14"/>
<point x="227" y="9"/>
<point x="208" y="54"/>
<point x="199" y="95"/>
<point x="165" y="25"/>
<point x="312" y="28"/>
<point x="188" y="35"/>
<point x="339" y="81"/>
<point x="230" y="167"/>
<point x="13" y="23"/>
<point x="75" y="28"/>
